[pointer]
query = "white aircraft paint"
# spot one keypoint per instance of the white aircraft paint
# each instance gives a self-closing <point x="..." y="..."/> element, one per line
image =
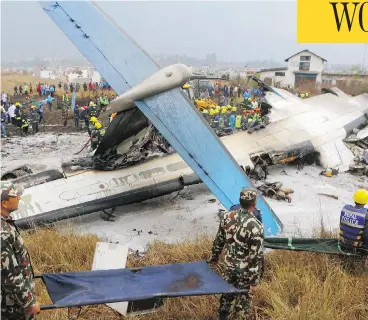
<point x="110" y="256"/>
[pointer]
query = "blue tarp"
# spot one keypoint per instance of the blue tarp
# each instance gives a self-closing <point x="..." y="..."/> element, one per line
<point x="105" y="286"/>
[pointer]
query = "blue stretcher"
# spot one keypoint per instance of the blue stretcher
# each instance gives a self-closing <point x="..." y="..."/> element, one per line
<point x="72" y="289"/>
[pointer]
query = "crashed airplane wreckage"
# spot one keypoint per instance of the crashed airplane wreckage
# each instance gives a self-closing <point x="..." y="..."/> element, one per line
<point x="87" y="188"/>
<point x="154" y="102"/>
<point x="155" y="92"/>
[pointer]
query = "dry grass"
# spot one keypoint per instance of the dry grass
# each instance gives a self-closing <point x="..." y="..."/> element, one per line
<point x="296" y="285"/>
<point x="8" y="81"/>
<point x="82" y="95"/>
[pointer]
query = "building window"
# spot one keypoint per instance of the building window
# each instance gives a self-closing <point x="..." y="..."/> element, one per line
<point x="280" y="74"/>
<point x="304" y="66"/>
<point x="305" y="58"/>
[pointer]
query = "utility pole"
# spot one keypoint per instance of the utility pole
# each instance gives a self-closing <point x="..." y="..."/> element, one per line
<point x="365" y="51"/>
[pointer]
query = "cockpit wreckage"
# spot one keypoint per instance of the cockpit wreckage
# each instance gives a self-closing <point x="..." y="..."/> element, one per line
<point x="136" y="161"/>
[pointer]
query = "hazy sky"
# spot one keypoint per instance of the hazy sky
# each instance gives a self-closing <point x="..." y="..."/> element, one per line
<point x="238" y="31"/>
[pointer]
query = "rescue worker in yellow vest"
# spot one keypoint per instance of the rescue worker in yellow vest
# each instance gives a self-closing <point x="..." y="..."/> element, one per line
<point x="20" y="122"/>
<point x="250" y="120"/>
<point x="206" y="114"/>
<point x="97" y="132"/>
<point x="227" y="116"/>
<point x="238" y="121"/>
<point x="354" y="224"/>
<point x="212" y="113"/>
<point x="91" y="125"/>
<point x="104" y="102"/>
<point x="92" y="110"/>
<point x="244" y="120"/>
<point x="66" y="98"/>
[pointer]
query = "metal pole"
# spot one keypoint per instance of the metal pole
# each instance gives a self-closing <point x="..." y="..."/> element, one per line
<point x="365" y="51"/>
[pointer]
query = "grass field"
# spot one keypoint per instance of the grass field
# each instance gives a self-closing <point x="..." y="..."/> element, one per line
<point x="8" y="81"/>
<point x="296" y="286"/>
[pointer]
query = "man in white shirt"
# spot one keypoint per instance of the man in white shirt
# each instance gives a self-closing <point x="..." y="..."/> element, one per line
<point x="254" y="104"/>
<point x="11" y="111"/>
<point x="4" y="99"/>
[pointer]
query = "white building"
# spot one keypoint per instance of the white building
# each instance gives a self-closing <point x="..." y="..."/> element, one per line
<point x="73" y="76"/>
<point x="47" y="74"/>
<point x="96" y="77"/>
<point x="304" y="67"/>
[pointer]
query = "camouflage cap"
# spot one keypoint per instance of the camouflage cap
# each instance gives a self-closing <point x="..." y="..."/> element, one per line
<point x="9" y="189"/>
<point x="248" y="194"/>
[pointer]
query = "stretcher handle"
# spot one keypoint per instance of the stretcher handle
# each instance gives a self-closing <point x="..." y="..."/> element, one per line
<point x="45" y="306"/>
<point x="49" y="307"/>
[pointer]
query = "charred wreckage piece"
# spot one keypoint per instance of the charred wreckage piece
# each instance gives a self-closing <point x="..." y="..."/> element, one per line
<point x="300" y="154"/>
<point x="357" y="142"/>
<point x="276" y="191"/>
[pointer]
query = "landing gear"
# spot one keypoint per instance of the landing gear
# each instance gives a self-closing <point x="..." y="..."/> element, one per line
<point x="108" y="216"/>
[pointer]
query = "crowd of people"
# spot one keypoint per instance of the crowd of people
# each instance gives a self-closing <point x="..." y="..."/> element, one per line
<point x="91" y="86"/>
<point x="43" y="89"/>
<point x="30" y="113"/>
<point x="22" y="117"/>
<point x="228" y="116"/>
<point x="86" y="118"/>
<point x="303" y="94"/>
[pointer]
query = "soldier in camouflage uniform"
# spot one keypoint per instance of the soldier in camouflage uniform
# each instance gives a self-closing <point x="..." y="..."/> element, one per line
<point x="18" y="300"/>
<point x="242" y="235"/>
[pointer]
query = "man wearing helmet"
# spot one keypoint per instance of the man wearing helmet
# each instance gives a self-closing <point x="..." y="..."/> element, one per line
<point x="354" y="224"/>
<point x="96" y="132"/>
<point x="241" y="234"/>
<point x="18" y="300"/>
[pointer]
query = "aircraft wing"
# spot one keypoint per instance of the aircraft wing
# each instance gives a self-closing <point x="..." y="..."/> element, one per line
<point x="125" y="65"/>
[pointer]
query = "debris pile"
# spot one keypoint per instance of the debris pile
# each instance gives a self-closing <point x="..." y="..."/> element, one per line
<point x="357" y="142"/>
<point x="276" y="191"/>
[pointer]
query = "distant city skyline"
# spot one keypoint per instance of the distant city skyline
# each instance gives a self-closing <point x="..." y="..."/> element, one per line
<point x="234" y="31"/>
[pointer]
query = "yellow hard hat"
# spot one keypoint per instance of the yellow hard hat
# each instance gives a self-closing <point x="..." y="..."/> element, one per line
<point x="92" y="104"/>
<point x="98" y="125"/>
<point x="17" y="104"/>
<point x="233" y="109"/>
<point x="33" y="107"/>
<point x="249" y="99"/>
<point x="93" y="119"/>
<point x="361" y="196"/>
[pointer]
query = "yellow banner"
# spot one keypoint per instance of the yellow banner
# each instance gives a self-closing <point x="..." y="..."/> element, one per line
<point x="332" y="21"/>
